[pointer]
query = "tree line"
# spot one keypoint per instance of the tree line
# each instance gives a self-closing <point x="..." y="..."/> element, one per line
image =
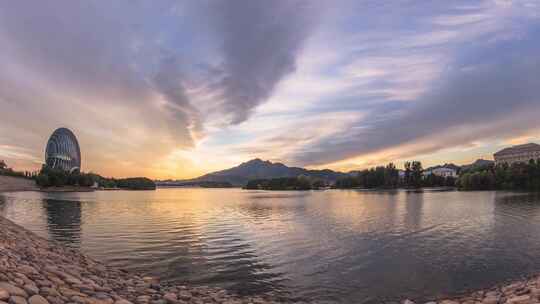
<point x="285" y="183"/>
<point x="50" y="177"/>
<point x="388" y="177"/>
<point x="7" y="171"/>
<point x="517" y="176"/>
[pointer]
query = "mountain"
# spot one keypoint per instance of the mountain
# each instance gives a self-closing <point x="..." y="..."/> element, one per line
<point x="259" y="169"/>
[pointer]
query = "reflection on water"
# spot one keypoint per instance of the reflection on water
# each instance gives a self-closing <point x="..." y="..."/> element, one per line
<point x="63" y="221"/>
<point x="329" y="246"/>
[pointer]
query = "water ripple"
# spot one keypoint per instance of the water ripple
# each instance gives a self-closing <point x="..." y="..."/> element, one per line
<point x="328" y="246"/>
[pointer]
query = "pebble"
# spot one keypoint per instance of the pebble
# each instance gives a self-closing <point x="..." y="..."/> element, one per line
<point x="102" y="295"/>
<point x="143" y="299"/>
<point x="37" y="299"/>
<point x="13" y="290"/>
<point x="490" y="300"/>
<point x="524" y="299"/>
<point x="4" y="295"/>
<point x="31" y="289"/>
<point x="17" y="300"/>
<point x="27" y="269"/>
<point x="78" y="299"/>
<point x="170" y="297"/>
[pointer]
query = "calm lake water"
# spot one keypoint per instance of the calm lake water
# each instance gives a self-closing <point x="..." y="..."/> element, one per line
<point x="329" y="246"/>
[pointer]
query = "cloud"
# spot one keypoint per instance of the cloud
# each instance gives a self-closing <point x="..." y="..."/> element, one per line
<point x="78" y="45"/>
<point x="104" y="71"/>
<point x="185" y="120"/>
<point x="489" y="91"/>
<point x="147" y="77"/>
<point x="261" y="43"/>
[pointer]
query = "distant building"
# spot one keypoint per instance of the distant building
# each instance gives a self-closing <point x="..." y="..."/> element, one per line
<point x="518" y="154"/>
<point x="441" y="171"/>
<point x="62" y="151"/>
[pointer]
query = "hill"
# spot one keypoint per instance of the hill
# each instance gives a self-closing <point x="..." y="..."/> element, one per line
<point x="479" y="163"/>
<point x="259" y="169"/>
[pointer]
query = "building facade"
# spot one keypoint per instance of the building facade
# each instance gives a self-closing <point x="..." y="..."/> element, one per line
<point x="63" y="151"/>
<point x="518" y="154"/>
<point x="441" y="171"/>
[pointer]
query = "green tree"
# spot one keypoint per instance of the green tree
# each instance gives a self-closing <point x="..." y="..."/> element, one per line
<point x="416" y="174"/>
<point x="318" y="184"/>
<point x="518" y="176"/>
<point x="391" y="176"/>
<point x="408" y="173"/>
<point x="42" y="180"/>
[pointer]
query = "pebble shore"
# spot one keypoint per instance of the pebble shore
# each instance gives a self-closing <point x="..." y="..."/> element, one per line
<point x="526" y="291"/>
<point x="37" y="271"/>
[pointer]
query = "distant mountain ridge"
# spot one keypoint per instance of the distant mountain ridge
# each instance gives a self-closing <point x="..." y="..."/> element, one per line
<point x="479" y="163"/>
<point x="260" y="169"/>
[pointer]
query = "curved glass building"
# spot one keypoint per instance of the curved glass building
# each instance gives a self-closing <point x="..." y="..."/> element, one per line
<point x="63" y="151"/>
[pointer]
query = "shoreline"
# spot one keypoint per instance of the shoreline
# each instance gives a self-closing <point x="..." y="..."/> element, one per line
<point x="34" y="270"/>
<point x="522" y="291"/>
<point x="66" y="189"/>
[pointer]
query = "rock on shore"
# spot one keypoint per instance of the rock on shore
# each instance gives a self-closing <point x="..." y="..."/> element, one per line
<point x="521" y="292"/>
<point x="36" y="271"/>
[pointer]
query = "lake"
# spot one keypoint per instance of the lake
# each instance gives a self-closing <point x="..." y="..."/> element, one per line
<point x="335" y="246"/>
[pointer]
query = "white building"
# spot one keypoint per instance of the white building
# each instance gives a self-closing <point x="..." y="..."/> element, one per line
<point x="441" y="171"/>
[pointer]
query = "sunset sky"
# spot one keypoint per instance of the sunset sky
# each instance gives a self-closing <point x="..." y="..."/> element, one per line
<point x="175" y="89"/>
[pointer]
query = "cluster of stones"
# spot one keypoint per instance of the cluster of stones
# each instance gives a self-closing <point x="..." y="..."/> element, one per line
<point x="36" y="271"/>
<point x="523" y="292"/>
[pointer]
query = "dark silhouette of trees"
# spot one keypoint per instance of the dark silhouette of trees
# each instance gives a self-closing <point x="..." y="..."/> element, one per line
<point x="391" y="176"/>
<point x="416" y="175"/>
<point x="5" y="170"/>
<point x="384" y="177"/>
<point x="408" y="173"/>
<point x="281" y="183"/>
<point x="348" y="182"/>
<point x="433" y="180"/>
<point x="518" y="176"/>
<point x="50" y="177"/>
<point x="388" y="178"/>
